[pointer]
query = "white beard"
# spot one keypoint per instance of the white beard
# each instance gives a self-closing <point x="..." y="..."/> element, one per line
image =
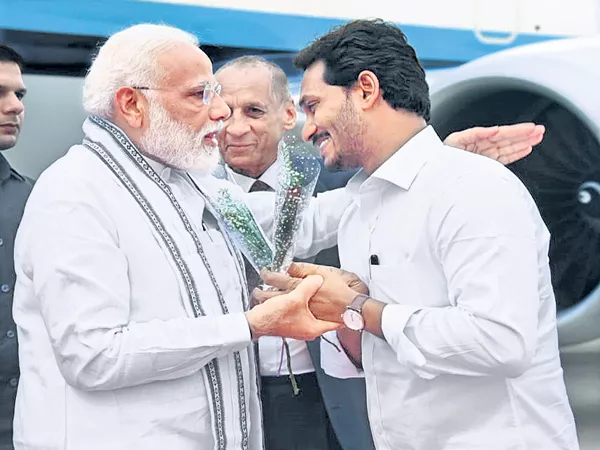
<point x="176" y="145"/>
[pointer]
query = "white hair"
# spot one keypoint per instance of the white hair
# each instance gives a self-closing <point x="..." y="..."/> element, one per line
<point x="128" y="58"/>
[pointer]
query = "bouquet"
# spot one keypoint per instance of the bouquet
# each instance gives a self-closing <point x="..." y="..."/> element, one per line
<point x="298" y="174"/>
<point x="235" y="217"/>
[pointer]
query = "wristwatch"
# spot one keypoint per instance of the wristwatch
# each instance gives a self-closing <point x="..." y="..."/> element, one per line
<point x="352" y="317"/>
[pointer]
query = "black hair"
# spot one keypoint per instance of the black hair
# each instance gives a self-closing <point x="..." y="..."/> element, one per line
<point x="7" y="54"/>
<point x="380" y="47"/>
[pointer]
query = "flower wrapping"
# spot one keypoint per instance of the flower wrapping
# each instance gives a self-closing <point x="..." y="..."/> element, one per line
<point x="298" y="175"/>
<point x="237" y="220"/>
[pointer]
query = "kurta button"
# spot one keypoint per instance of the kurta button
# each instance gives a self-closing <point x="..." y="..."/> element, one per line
<point x="10" y="334"/>
<point x="13" y="382"/>
<point x="5" y="288"/>
<point x="1" y="242"/>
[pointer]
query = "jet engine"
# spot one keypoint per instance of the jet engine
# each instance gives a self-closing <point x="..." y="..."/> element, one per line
<point x="555" y="83"/>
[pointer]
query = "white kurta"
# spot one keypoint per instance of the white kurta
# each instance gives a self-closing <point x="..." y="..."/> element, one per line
<point x="110" y="353"/>
<point x="470" y="359"/>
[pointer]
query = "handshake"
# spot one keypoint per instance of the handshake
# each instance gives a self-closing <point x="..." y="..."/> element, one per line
<point x="306" y="302"/>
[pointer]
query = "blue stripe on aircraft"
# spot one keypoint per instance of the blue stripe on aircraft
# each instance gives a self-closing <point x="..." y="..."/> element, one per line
<point x="227" y="27"/>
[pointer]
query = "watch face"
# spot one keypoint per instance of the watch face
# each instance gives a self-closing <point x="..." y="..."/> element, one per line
<point x="353" y="320"/>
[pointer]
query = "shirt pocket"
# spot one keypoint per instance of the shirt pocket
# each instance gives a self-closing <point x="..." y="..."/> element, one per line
<point x="409" y="283"/>
<point x="394" y="283"/>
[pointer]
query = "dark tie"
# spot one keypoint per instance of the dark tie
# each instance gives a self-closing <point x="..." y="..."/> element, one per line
<point x="260" y="186"/>
<point x="251" y="276"/>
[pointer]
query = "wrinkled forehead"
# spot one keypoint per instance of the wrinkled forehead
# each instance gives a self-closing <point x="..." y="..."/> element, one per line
<point x="185" y="65"/>
<point x="246" y="84"/>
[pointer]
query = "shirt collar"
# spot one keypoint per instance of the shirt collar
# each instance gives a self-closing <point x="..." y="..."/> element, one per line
<point x="6" y="171"/>
<point x="404" y="165"/>
<point x="269" y="177"/>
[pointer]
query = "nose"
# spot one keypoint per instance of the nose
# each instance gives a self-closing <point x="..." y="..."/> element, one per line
<point x="308" y="129"/>
<point x="236" y="125"/>
<point x="218" y="109"/>
<point x="12" y="105"/>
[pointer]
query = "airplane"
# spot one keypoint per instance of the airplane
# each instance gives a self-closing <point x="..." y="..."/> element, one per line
<point x="487" y="63"/>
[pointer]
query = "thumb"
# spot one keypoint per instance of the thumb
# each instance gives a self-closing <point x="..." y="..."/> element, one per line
<point x="308" y="287"/>
<point x="302" y="270"/>
<point x="480" y="133"/>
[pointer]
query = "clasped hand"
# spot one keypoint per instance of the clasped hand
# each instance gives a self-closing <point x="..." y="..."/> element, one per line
<point x="324" y="303"/>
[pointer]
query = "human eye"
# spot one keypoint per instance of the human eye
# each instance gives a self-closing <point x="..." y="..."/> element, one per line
<point x="310" y="107"/>
<point x="199" y="92"/>
<point x="254" y="111"/>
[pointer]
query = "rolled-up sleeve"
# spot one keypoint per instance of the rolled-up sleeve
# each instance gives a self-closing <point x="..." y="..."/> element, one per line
<point x="80" y="278"/>
<point x="484" y="236"/>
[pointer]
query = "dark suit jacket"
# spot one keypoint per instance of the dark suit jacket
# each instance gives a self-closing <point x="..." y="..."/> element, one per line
<point x="345" y="399"/>
<point x="14" y="191"/>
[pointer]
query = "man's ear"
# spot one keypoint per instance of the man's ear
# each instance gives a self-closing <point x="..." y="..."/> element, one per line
<point x="368" y="89"/>
<point x="131" y="105"/>
<point x="290" y="115"/>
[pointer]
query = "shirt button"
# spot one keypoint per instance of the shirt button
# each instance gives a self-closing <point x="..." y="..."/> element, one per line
<point x="10" y="334"/>
<point x="13" y="382"/>
<point x="5" y="288"/>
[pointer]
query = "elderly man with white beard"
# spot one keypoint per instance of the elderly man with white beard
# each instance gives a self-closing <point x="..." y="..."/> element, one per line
<point x="131" y="304"/>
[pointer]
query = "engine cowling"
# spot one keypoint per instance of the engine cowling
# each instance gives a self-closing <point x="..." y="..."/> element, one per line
<point x="554" y="84"/>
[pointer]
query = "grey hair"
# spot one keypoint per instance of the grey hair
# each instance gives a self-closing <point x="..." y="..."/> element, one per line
<point x="279" y="82"/>
<point x="128" y="58"/>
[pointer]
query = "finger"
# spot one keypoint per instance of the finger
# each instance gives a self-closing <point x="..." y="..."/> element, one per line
<point x="506" y="151"/>
<point x="302" y="270"/>
<point x="520" y="132"/>
<point x="470" y="137"/>
<point x="308" y="287"/>
<point x="515" y="156"/>
<point x="260" y="296"/>
<point x="279" y="280"/>
<point x="538" y="134"/>
<point x="483" y="133"/>
<point x="512" y="150"/>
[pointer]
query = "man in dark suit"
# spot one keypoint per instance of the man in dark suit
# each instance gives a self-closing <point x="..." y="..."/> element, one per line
<point x="14" y="191"/>
<point x="329" y="413"/>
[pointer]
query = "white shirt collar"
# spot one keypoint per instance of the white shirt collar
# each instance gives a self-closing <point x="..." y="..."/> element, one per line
<point x="269" y="177"/>
<point x="404" y="165"/>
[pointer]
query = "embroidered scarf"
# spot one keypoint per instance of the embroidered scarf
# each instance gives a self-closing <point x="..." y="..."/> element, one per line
<point x="175" y="232"/>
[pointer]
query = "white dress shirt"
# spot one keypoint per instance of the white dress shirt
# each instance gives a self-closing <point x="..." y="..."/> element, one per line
<point x="470" y="358"/>
<point x="271" y="359"/>
<point x="110" y="357"/>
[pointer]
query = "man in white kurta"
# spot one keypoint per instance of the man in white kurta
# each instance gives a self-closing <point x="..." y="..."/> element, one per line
<point x="130" y="303"/>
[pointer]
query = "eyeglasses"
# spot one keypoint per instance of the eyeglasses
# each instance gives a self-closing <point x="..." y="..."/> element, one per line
<point x="205" y="90"/>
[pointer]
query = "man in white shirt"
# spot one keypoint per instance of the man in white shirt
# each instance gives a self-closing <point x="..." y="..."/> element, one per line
<point x="262" y="111"/>
<point x="457" y="335"/>
<point x="131" y="304"/>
